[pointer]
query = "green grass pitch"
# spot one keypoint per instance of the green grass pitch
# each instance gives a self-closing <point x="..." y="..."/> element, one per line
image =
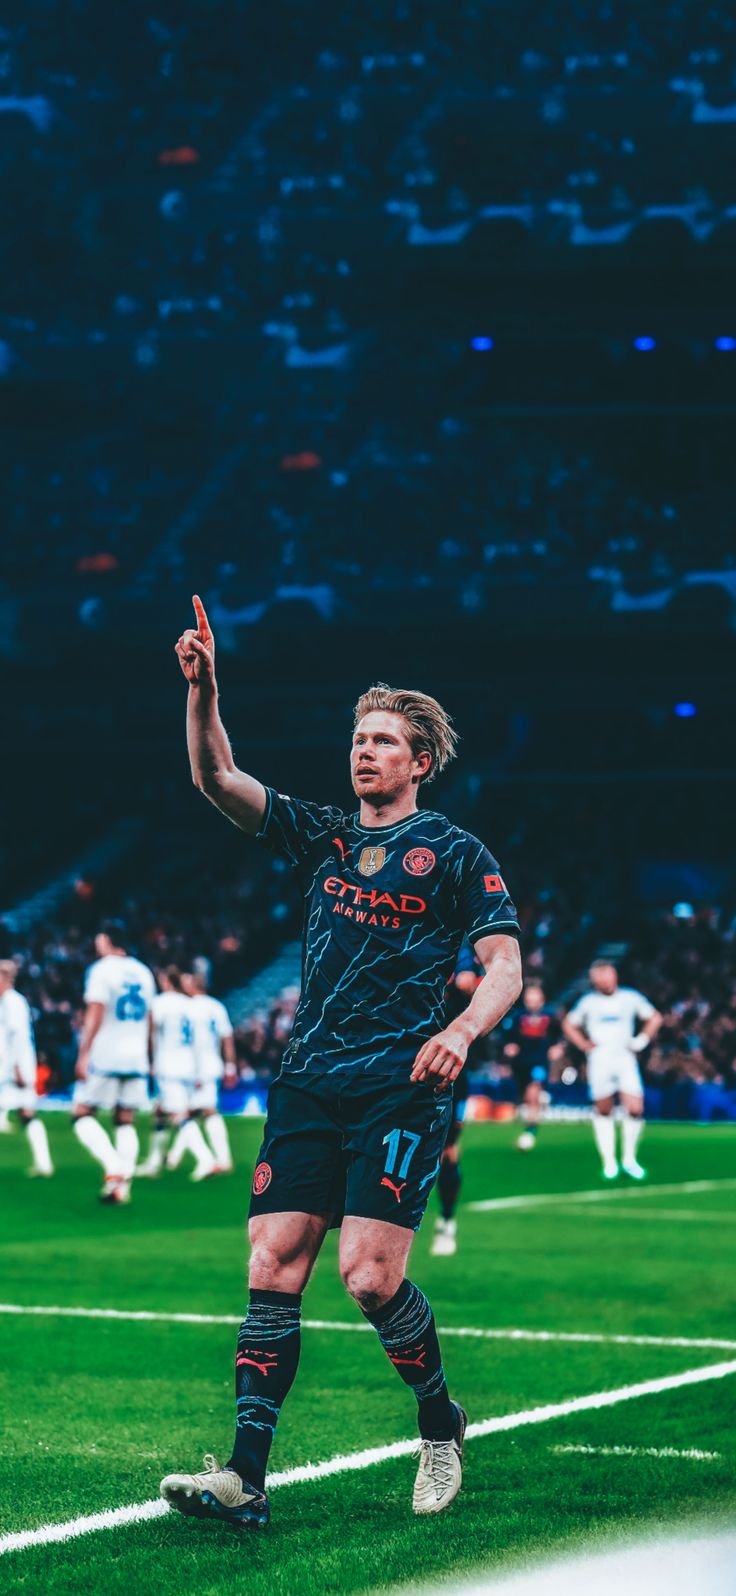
<point x="95" y="1411"/>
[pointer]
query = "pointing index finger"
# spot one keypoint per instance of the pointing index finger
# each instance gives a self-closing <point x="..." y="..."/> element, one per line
<point x="203" y="625"/>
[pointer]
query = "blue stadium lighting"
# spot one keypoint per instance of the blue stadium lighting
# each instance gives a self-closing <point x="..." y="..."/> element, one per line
<point x="645" y="343"/>
<point x="685" y="711"/>
<point x="726" y="344"/>
<point x="481" y="343"/>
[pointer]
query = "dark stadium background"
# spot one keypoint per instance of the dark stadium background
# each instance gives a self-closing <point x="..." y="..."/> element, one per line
<point x="406" y="335"/>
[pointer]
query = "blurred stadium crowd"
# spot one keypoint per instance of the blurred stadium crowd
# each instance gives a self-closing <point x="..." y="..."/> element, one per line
<point x="339" y="232"/>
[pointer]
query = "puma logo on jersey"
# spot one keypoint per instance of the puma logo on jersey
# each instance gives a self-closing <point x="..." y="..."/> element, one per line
<point x="397" y="1190"/>
<point x="264" y="1367"/>
<point x="343" y="850"/>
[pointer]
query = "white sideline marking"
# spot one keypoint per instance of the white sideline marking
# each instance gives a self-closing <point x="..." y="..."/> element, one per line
<point x="351" y="1461"/>
<point x="471" y="1332"/>
<point x="599" y="1195"/>
<point x="690" y="1452"/>
<point x="668" y="1215"/>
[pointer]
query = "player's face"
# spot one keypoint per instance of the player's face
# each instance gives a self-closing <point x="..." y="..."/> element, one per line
<point x="533" y="999"/>
<point x="604" y="978"/>
<point x="382" y="765"/>
<point x="102" y="945"/>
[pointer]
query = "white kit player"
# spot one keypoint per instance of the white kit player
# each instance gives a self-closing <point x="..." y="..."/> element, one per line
<point x="113" y="1060"/>
<point x="18" y="1067"/>
<point x="611" y="1024"/>
<point x="175" y="1078"/>
<point x="214" y="1046"/>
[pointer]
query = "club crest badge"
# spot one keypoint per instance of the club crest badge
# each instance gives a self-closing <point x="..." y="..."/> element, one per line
<point x="262" y="1179"/>
<point x="419" y="861"/>
<point x="371" y="861"/>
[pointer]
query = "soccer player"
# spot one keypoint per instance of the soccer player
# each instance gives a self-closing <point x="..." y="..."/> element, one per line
<point x="468" y="974"/>
<point x="18" y="1067"/>
<point x="533" y="1044"/>
<point x="359" y="1114"/>
<point x="112" y="1062"/>
<point x="175" y="1076"/>
<point x="214" y="1048"/>
<point x="604" y="1024"/>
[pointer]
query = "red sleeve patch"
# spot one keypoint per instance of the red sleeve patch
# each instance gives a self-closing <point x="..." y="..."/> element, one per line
<point x="493" y="884"/>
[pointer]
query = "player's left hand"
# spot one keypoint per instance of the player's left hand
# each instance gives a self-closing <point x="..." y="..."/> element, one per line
<point x="441" y="1058"/>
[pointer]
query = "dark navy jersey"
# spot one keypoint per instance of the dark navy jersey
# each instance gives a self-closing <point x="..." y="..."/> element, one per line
<point x="534" y="1034"/>
<point x="386" y="909"/>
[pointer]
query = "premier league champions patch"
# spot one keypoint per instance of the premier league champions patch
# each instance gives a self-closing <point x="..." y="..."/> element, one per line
<point x="371" y="861"/>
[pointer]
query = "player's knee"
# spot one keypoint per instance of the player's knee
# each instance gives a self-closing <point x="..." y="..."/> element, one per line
<point x="123" y="1116"/>
<point x="276" y="1269"/>
<point x="370" y="1281"/>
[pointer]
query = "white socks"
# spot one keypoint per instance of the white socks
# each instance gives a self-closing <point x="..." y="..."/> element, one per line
<point x="630" y="1132"/>
<point x="218" y="1139"/>
<point x="94" y="1137"/>
<point x="604" y="1130"/>
<point x="36" y="1133"/>
<point x="157" y="1147"/>
<point x="126" y="1143"/>
<point x="189" y="1140"/>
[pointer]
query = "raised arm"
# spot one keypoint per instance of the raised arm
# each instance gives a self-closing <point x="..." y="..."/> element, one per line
<point x="214" y="772"/>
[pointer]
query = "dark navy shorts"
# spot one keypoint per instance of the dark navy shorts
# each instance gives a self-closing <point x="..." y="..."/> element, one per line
<point x="349" y="1143"/>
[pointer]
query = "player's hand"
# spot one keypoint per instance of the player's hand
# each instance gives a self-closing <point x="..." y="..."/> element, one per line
<point x="196" y="650"/>
<point x="441" y="1058"/>
<point x="81" y="1069"/>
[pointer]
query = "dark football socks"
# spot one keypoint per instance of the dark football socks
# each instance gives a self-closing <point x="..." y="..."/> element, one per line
<point x="266" y="1361"/>
<point x="407" y="1332"/>
<point x="448" y="1187"/>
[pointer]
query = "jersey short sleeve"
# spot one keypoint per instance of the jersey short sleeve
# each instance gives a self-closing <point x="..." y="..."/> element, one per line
<point x="483" y="897"/>
<point x="579" y="1014"/>
<point x="223" y="1022"/>
<point x="643" y="1009"/>
<point x="293" y="828"/>
<point x="96" y="985"/>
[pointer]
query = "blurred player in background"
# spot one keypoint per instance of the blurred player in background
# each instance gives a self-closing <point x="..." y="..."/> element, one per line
<point x="18" y="1068"/>
<point x="533" y="1044"/>
<point x="112" y="1062"/>
<point x="468" y="973"/>
<point x="604" y="1025"/>
<point x="175" y="1080"/>
<point x="214" y="1049"/>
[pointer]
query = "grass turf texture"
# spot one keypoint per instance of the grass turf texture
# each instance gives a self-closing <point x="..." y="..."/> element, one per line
<point x="97" y="1411"/>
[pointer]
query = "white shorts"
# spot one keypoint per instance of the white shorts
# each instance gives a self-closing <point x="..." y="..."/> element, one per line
<point x="205" y="1095"/>
<point x="111" y="1091"/>
<point x="610" y="1072"/>
<point x="174" y="1097"/>
<point x="14" y="1096"/>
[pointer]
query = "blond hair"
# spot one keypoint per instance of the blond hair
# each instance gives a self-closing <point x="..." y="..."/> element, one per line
<point x="429" y="726"/>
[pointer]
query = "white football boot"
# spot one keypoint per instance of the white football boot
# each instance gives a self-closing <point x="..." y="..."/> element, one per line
<point x="440" y="1472"/>
<point x="444" y="1241"/>
<point x="217" y="1493"/>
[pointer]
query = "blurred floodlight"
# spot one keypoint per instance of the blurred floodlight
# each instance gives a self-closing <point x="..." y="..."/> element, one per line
<point x="726" y="344"/>
<point x="645" y="343"/>
<point x="482" y="343"/>
<point x="685" y="711"/>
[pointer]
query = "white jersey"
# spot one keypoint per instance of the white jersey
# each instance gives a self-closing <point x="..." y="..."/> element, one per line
<point x="211" y="1025"/>
<point x="17" y="1047"/>
<point x="127" y="989"/>
<point x="173" y="1037"/>
<point x="611" y="1020"/>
